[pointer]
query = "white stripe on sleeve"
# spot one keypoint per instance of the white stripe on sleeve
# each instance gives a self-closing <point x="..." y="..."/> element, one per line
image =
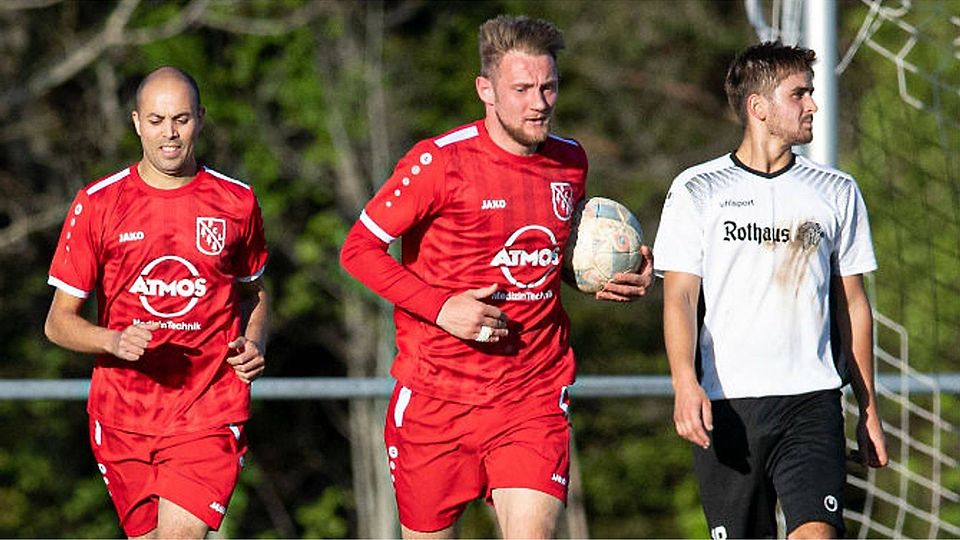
<point x="375" y="229"/>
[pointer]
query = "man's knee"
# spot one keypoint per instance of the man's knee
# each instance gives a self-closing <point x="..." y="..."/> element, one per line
<point x="813" y="529"/>
<point x="174" y="521"/>
<point x="526" y="513"/>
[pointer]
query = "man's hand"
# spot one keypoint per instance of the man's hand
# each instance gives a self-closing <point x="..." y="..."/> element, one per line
<point x="628" y="286"/>
<point x="466" y="317"/>
<point x="249" y="362"/>
<point x="693" y="414"/>
<point x="871" y="442"/>
<point x="130" y="343"/>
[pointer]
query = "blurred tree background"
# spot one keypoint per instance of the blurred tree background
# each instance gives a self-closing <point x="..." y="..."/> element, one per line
<point x="312" y="102"/>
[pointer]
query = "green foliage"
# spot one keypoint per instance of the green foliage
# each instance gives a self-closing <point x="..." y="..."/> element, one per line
<point x="323" y="518"/>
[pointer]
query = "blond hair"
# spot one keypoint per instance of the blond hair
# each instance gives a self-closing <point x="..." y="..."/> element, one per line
<point x="507" y="33"/>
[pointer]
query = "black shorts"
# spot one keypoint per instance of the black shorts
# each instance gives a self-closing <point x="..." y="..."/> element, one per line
<point x="789" y="448"/>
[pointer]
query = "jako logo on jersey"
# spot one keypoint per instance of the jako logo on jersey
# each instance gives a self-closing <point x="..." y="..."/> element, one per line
<point x="493" y="204"/>
<point x="169" y="291"/>
<point x="751" y="232"/>
<point x="211" y="235"/>
<point x="559" y="479"/>
<point x="562" y="195"/>
<point x="534" y="247"/>
<point x="131" y="236"/>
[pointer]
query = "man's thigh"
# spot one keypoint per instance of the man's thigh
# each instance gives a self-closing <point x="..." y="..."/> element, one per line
<point x="443" y="455"/>
<point x="529" y="446"/>
<point x="196" y="471"/>
<point x="808" y="461"/>
<point x="434" y="463"/>
<point x="738" y="499"/>
<point x="124" y="461"/>
<point x="526" y="513"/>
<point x="199" y="471"/>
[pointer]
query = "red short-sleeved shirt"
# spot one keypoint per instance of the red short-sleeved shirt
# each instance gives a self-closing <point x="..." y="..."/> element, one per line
<point x="173" y="257"/>
<point x="472" y="214"/>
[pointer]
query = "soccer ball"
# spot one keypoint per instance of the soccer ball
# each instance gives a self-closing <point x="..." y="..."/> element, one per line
<point x="605" y="238"/>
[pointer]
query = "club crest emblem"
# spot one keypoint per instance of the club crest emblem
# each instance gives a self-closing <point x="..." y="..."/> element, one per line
<point x="562" y="195"/>
<point x="211" y="235"/>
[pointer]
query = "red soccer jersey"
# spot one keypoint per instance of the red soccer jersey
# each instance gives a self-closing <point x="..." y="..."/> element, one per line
<point x="173" y="257"/>
<point x="472" y="214"/>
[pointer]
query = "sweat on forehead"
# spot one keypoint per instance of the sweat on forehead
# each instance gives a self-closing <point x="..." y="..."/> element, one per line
<point x="167" y="72"/>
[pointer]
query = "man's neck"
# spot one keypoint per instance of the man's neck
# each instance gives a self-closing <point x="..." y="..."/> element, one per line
<point x="161" y="180"/>
<point x="501" y="138"/>
<point x="766" y="156"/>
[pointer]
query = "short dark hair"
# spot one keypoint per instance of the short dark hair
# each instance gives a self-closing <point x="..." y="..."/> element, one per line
<point x="760" y="68"/>
<point x="191" y="82"/>
<point x="506" y="33"/>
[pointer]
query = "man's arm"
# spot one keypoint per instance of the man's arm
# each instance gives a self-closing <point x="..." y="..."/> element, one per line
<point x="855" y="322"/>
<point x="68" y="329"/>
<point x="629" y="286"/>
<point x="462" y="315"/>
<point x="251" y="345"/>
<point x="692" y="413"/>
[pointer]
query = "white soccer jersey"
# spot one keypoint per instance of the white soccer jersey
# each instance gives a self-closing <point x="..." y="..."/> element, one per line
<point x="765" y="247"/>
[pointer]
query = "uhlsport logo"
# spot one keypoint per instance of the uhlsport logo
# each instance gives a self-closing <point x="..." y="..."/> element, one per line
<point x="718" y="533"/>
<point x="211" y="235"/>
<point x="562" y="195"/>
<point x="529" y="256"/>
<point x="169" y="286"/>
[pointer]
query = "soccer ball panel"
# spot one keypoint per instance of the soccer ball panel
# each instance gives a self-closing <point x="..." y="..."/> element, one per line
<point x="605" y="239"/>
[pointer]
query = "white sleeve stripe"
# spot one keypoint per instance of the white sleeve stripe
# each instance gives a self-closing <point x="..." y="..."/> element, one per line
<point x="107" y="181"/>
<point x="571" y="142"/>
<point x="457" y="136"/>
<point x="69" y="289"/>
<point x="375" y="229"/>
<point x="254" y="277"/>
<point x="222" y="176"/>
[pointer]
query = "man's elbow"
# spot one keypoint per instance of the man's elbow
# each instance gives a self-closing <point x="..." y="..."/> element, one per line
<point x="50" y="330"/>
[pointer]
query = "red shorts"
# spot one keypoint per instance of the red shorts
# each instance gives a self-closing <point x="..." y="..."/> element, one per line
<point x="196" y="471"/>
<point x="444" y="454"/>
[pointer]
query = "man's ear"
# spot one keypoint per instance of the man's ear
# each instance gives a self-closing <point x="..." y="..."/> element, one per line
<point x="485" y="90"/>
<point x="136" y="122"/>
<point x="757" y="107"/>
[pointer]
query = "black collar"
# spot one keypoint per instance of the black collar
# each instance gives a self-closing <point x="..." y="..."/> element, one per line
<point x="774" y="174"/>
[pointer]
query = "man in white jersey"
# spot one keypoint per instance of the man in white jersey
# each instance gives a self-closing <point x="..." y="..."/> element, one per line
<point x="778" y="246"/>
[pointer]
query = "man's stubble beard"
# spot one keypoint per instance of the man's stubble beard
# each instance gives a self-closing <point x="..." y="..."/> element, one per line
<point x="521" y="137"/>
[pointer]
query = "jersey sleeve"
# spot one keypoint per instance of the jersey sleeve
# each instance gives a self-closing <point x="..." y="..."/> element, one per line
<point x="252" y="259"/>
<point x="412" y="194"/>
<point x="854" y="249"/>
<point x="679" y="243"/>
<point x="74" y="266"/>
<point x="365" y="257"/>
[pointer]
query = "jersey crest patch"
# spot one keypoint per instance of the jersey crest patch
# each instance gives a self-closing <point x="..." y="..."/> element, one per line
<point x="211" y="235"/>
<point x="562" y="195"/>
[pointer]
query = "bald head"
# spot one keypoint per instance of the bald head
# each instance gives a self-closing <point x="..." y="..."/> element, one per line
<point x="165" y="75"/>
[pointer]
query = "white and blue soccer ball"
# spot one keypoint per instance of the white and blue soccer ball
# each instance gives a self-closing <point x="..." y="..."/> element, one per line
<point x="605" y="238"/>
